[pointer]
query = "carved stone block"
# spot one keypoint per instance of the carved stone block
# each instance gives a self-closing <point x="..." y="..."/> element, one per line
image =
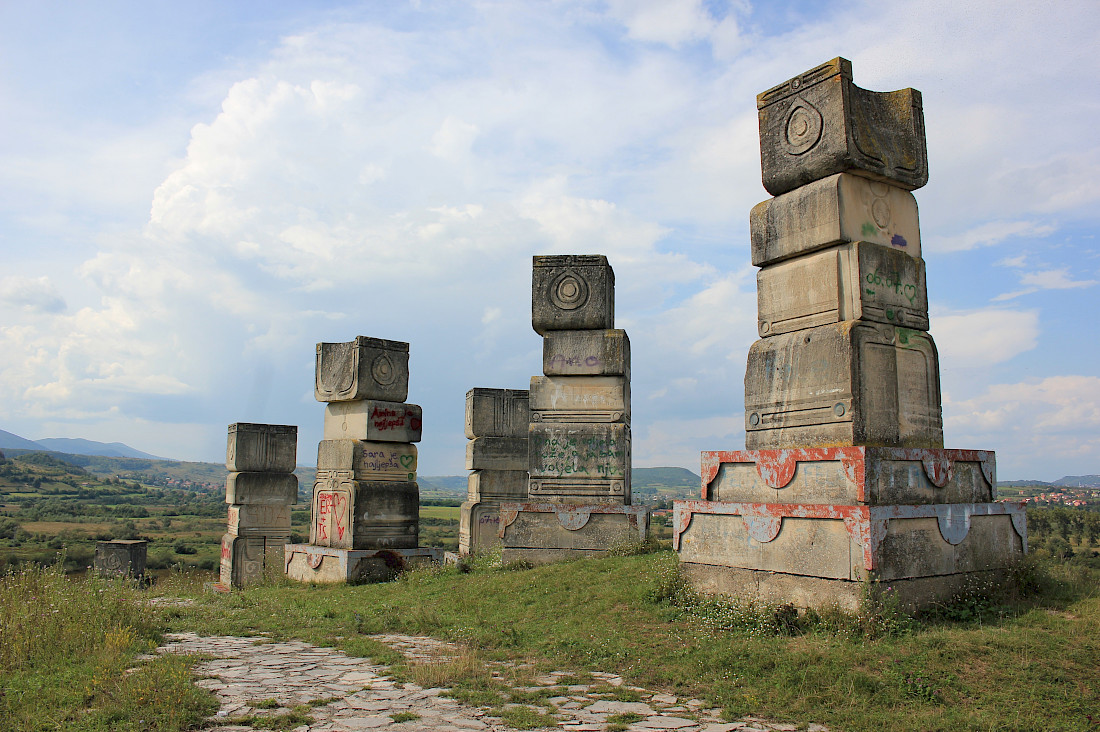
<point x="580" y="399"/>
<point x="551" y="532"/>
<point x="259" y="520"/>
<point x="366" y="368"/>
<point x="857" y="281"/>
<point x="358" y="514"/>
<point x="478" y="527"/>
<point x="369" y="460"/>
<point x="373" y="421"/>
<point x="245" y="559"/>
<point x="261" y="488"/>
<point x="851" y="383"/>
<point x="261" y="448"/>
<point x="572" y="292"/>
<point x="838" y="209"/>
<point x="590" y="460"/>
<point x="496" y="453"/>
<point x="586" y="353"/>
<point x="497" y="413"/>
<point x="487" y="485"/>
<point x="820" y="123"/>
<point x="120" y="558"/>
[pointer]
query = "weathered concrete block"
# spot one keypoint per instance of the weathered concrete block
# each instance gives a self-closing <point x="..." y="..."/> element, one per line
<point x="366" y="368"/>
<point x="496" y="453"/>
<point x="261" y="488"/>
<point x="851" y="383"/>
<point x="548" y="532"/>
<point x="591" y="452"/>
<point x="883" y="543"/>
<point x="120" y="558"/>
<point x="586" y="353"/>
<point x="261" y="448"/>
<point x="582" y="399"/>
<point x="246" y="559"/>
<point x="358" y="514"/>
<point x="572" y="292"/>
<point x="486" y="485"/>
<point x="839" y="209"/>
<point x="478" y="527"/>
<point x="369" y="460"/>
<point x="856" y="281"/>
<point x="259" y="520"/>
<point x="820" y="123"/>
<point x="850" y="476"/>
<point x="373" y="421"/>
<point x="327" y="565"/>
<point x="497" y="413"/>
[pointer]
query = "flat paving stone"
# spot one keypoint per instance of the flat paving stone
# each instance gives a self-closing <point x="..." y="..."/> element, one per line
<point x="355" y="694"/>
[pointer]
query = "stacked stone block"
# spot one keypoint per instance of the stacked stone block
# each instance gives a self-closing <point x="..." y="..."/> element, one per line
<point x="260" y="489"/>
<point x="366" y="503"/>
<point x="845" y="478"/>
<point x="579" y="433"/>
<point x="496" y="427"/>
<point x="120" y="558"/>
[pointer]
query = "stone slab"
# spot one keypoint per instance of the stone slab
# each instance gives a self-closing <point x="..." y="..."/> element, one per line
<point x="819" y="593"/>
<point x="259" y="519"/>
<point x="326" y="565"/>
<point x="369" y="460"/>
<point x="586" y="353"/>
<point x="835" y="210"/>
<point x="850" y="383"/>
<point x="261" y="488"/>
<point x="246" y="559"/>
<point x="358" y="514"/>
<point x="850" y="476"/>
<point x="593" y="451"/>
<point x="366" y="368"/>
<point x="497" y="413"/>
<point x="857" y="281"/>
<point x="478" y="527"/>
<point x="497" y="484"/>
<point x="820" y="123"/>
<point x="261" y="448"/>
<point x="580" y="399"/>
<point x="120" y="558"/>
<point x="496" y="453"/>
<point x="851" y="542"/>
<point x="614" y="491"/>
<point x="572" y="292"/>
<point x="572" y="527"/>
<point x="373" y="421"/>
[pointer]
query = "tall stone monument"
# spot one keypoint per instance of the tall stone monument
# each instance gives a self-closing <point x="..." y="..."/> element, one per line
<point x="845" y="479"/>
<point x="260" y="489"/>
<point x="579" y="435"/>
<point x="496" y="427"/>
<point x="365" y="517"/>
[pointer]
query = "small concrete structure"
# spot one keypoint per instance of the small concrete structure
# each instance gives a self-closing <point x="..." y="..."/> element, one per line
<point x="365" y="519"/>
<point x="845" y="480"/>
<point x="578" y="456"/>
<point x="120" y="558"/>
<point x="260" y="489"/>
<point x="496" y="426"/>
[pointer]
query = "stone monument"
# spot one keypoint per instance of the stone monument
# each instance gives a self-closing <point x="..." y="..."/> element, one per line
<point x="845" y="479"/>
<point x="579" y="435"/>
<point x="260" y="489"/>
<point x="366" y="504"/>
<point x="496" y="427"/>
<point x="120" y="558"/>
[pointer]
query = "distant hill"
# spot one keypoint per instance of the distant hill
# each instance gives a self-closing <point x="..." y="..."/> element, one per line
<point x="78" y="446"/>
<point x="1080" y="481"/>
<point x="671" y="477"/>
<point x="8" y="440"/>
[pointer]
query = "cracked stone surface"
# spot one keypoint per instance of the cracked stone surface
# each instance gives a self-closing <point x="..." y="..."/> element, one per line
<point x="253" y="677"/>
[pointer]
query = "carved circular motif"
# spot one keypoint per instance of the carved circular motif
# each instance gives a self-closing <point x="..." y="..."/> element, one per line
<point x="754" y="419"/>
<point x="568" y="291"/>
<point x="839" y="409"/>
<point x="880" y="212"/>
<point x="383" y="370"/>
<point x="803" y="128"/>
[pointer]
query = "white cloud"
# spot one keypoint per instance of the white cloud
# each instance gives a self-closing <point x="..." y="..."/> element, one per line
<point x="1047" y="279"/>
<point x="983" y="338"/>
<point x="672" y="22"/>
<point x="985" y="235"/>
<point x="31" y="294"/>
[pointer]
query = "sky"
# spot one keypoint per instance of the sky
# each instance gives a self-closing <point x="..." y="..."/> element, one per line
<point x="194" y="194"/>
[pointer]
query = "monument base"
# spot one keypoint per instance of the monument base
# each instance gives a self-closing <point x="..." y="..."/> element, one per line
<point x="542" y="533"/>
<point x="478" y="527"/>
<point x="325" y="565"/>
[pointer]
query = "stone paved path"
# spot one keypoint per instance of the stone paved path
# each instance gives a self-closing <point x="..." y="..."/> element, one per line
<point x="256" y="678"/>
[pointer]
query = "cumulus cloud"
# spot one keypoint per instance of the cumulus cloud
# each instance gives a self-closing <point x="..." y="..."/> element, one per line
<point x="31" y="294"/>
<point x="983" y="338"/>
<point x="1046" y="279"/>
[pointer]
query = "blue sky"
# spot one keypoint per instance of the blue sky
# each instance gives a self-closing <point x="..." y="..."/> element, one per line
<point x="193" y="194"/>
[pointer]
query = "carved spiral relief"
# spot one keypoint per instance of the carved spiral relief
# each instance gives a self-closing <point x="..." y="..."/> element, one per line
<point x="803" y="128"/>
<point x="568" y="291"/>
<point x="383" y="370"/>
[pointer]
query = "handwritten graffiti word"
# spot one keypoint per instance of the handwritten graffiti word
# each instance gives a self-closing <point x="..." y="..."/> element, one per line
<point x="385" y="418"/>
<point x="891" y="280"/>
<point x="331" y="513"/>
<point x="562" y="360"/>
<point x="489" y="519"/>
